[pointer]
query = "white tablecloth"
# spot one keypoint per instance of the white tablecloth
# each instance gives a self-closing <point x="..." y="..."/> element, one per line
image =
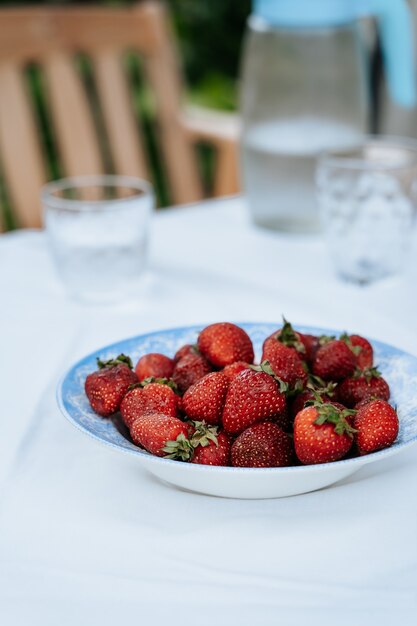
<point x="87" y="537"/>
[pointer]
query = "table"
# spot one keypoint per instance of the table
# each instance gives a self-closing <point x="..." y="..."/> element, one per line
<point x="87" y="537"/>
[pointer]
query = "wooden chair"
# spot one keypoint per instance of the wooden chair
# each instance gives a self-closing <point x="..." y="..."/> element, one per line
<point x="51" y="38"/>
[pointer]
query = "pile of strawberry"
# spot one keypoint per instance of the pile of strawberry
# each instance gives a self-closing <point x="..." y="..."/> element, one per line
<point x="311" y="400"/>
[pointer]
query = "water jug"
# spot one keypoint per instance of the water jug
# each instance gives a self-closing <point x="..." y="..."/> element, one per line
<point x="306" y="88"/>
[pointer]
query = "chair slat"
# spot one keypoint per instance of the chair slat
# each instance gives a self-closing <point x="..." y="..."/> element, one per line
<point x="33" y="33"/>
<point x="162" y="69"/>
<point x="21" y="155"/>
<point x="76" y="137"/>
<point x="116" y="101"/>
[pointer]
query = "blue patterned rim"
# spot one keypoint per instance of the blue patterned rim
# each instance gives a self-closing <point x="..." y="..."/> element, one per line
<point x="397" y="366"/>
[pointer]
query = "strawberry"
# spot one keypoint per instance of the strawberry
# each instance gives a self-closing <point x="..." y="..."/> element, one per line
<point x="162" y="435"/>
<point x="205" y="399"/>
<point x="289" y="337"/>
<point x="311" y="345"/>
<point x="184" y="350"/>
<point x="214" y="452"/>
<point x="234" y="369"/>
<point x="189" y="369"/>
<point x="361" y="348"/>
<point x="377" y="426"/>
<point x="253" y="396"/>
<point x="262" y="445"/>
<point x="285" y="363"/>
<point x="334" y="361"/>
<point x="322" y="433"/>
<point x="363" y="384"/>
<point x="106" y="387"/>
<point x="154" y="365"/>
<point x="153" y="397"/>
<point x="224" y="343"/>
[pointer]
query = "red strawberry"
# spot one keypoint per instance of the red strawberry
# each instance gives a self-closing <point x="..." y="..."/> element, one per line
<point x="377" y="426"/>
<point x="363" y="384"/>
<point x="311" y="345"/>
<point x="152" y="398"/>
<point x="162" y="435"/>
<point x="361" y="348"/>
<point x="334" y="361"/>
<point x="184" y="350"/>
<point x="290" y="338"/>
<point x="154" y="365"/>
<point x="262" y="445"/>
<point x="106" y="387"/>
<point x="224" y="343"/>
<point x="205" y="399"/>
<point x="214" y="452"/>
<point x="322" y="433"/>
<point x="285" y="363"/>
<point x="253" y="396"/>
<point x="189" y="370"/>
<point x="234" y="369"/>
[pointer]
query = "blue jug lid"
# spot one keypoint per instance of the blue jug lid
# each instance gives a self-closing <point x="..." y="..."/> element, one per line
<point x="298" y="13"/>
<point x="394" y="25"/>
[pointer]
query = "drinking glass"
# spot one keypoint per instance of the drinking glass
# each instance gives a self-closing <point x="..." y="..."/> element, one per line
<point x="367" y="198"/>
<point x="97" y="228"/>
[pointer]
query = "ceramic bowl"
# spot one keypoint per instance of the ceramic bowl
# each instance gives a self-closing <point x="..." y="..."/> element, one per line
<point x="398" y="367"/>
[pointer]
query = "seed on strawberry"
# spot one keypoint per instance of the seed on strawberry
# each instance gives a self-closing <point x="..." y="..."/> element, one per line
<point x="285" y="363"/>
<point x="377" y="426"/>
<point x="189" y="369"/>
<point x="162" y="435"/>
<point x="234" y="369"/>
<point x="262" y="445"/>
<point x="151" y="398"/>
<point x="205" y="399"/>
<point x="363" y="384"/>
<point x="214" y="452"/>
<point x="334" y="361"/>
<point x="106" y="387"/>
<point x="225" y="343"/>
<point x="322" y="433"/>
<point x="253" y="396"/>
<point x="154" y="365"/>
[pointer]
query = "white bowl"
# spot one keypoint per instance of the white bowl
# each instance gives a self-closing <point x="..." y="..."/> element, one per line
<point x="398" y="367"/>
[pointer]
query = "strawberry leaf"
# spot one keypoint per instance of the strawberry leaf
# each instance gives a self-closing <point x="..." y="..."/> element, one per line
<point x="289" y="337"/>
<point x="180" y="449"/>
<point x="121" y="359"/>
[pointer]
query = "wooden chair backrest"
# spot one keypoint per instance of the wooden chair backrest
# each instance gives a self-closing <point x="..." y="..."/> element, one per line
<point x="51" y="38"/>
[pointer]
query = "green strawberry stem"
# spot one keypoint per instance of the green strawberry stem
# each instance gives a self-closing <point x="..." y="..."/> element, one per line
<point x="180" y="449"/>
<point x="368" y="373"/>
<point x="203" y="434"/>
<point x="329" y="414"/>
<point x="289" y="337"/>
<point x="355" y="349"/>
<point x="161" y="381"/>
<point x="323" y="339"/>
<point x="317" y="384"/>
<point x="121" y="359"/>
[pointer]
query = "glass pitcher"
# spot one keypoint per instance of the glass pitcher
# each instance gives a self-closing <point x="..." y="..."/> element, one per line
<point x="306" y="88"/>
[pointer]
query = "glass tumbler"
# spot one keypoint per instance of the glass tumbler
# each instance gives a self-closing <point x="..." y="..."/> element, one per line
<point x="97" y="228"/>
<point x="367" y="198"/>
